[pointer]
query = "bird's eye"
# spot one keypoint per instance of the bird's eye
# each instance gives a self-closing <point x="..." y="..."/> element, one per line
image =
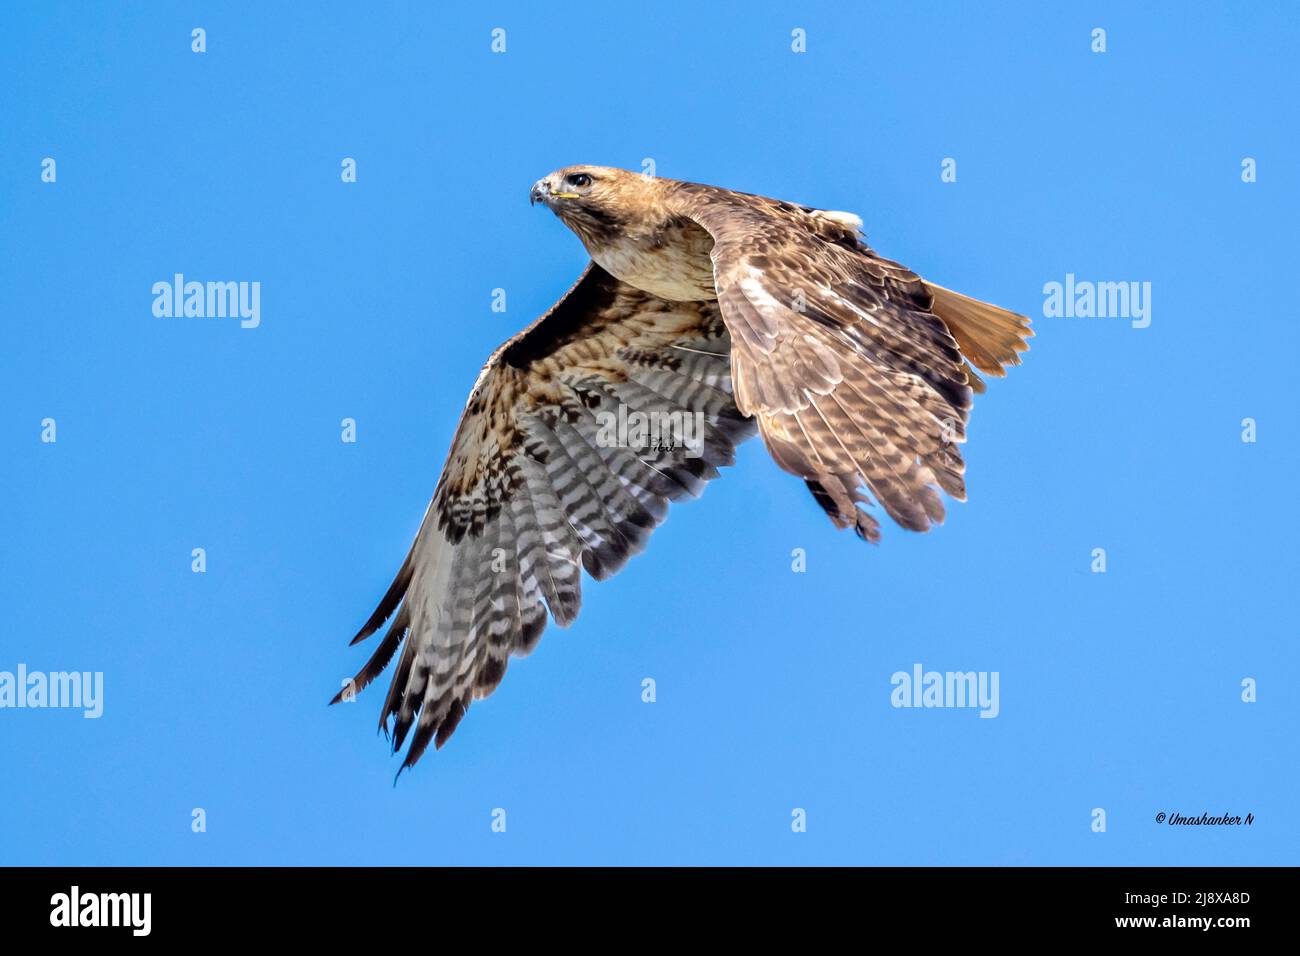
<point x="578" y="179"/>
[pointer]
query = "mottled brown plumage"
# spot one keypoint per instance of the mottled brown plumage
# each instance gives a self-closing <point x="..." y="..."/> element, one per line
<point x="742" y="310"/>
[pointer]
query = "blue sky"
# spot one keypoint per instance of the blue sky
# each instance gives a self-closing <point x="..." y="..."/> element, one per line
<point x="1119" y="691"/>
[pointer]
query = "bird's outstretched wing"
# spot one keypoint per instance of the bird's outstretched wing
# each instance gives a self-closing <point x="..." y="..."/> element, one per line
<point x="854" y="368"/>
<point x="577" y="434"/>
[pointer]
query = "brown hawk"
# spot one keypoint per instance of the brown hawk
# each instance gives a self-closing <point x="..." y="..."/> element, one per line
<point x="719" y="313"/>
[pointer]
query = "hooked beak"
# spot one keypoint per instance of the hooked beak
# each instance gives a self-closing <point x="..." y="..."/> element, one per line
<point x="541" y="192"/>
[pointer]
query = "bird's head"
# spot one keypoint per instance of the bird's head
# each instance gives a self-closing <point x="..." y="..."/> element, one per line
<point x="597" y="202"/>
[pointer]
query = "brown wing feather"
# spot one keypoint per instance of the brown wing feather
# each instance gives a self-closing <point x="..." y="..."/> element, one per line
<point x="532" y="492"/>
<point x="840" y="356"/>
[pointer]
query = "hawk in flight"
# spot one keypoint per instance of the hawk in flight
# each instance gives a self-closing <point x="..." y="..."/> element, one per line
<point x="700" y="305"/>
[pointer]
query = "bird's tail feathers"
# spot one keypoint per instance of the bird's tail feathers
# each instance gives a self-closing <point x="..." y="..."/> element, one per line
<point x="989" y="337"/>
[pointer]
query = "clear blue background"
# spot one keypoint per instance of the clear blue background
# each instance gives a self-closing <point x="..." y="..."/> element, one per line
<point x="1119" y="691"/>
